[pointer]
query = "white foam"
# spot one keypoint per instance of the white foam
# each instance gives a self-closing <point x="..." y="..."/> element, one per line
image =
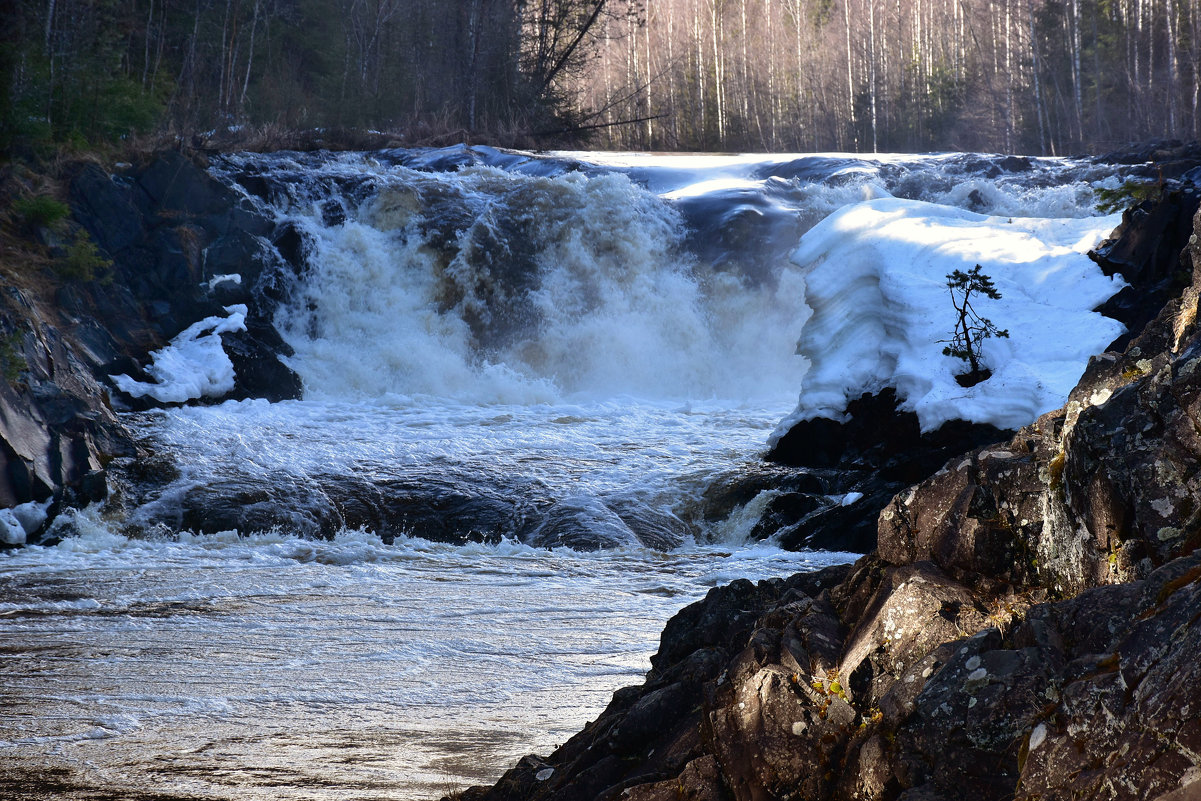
<point x="194" y="365"/>
<point x="605" y="301"/>
<point x="881" y="310"/>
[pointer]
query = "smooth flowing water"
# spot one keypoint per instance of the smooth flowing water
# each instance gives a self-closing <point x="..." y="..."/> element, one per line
<point x="272" y="667"/>
<point x="550" y="364"/>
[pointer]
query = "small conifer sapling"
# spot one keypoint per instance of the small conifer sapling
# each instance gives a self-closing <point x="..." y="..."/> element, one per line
<point x="967" y="339"/>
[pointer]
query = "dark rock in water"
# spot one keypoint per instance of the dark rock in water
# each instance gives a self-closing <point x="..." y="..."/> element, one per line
<point x="1027" y="629"/>
<point x="867" y="459"/>
<point x="1015" y="164"/>
<point x="171" y="229"/>
<point x="294" y="245"/>
<point x="838" y="523"/>
<point x="1145" y="250"/>
<point x="439" y="505"/>
<point x="255" y="354"/>
<point x="440" y="509"/>
<point x="582" y="523"/>
<point x="656" y="528"/>
<point x="880" y="437"/>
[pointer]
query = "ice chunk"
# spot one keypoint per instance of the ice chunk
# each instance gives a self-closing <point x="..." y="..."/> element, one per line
<point x="194" y="365"/>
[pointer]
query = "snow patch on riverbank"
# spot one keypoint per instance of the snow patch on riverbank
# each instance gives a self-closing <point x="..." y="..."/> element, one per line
<point x="876" y="281"/>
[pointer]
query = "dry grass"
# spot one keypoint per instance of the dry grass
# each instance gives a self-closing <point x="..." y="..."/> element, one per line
<point x="22" y="256"/>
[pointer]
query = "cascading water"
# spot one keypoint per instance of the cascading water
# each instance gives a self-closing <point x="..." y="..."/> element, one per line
<point x="361" y="593"/>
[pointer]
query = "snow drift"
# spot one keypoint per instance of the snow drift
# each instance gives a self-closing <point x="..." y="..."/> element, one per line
<point x="876" y="282"/>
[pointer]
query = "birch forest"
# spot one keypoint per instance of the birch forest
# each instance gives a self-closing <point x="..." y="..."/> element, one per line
<point x="1019" y="76"/>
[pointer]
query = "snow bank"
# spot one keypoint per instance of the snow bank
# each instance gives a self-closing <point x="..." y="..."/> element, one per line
<point x="193" y="365"/>
<point x="20" y="521"/>
<point x="876" y="282"/>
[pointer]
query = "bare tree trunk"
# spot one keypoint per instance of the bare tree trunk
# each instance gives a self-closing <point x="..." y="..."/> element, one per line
<point x="1149" y="5"/>
<point x="146" y="45"/>
<point x="719" y="77"/>
<point x="772" y="92"/>
<point x="474" y="22"/>
<point x="651" y="81"/>
<point x="609" y="130"/>
<point x="846" y="20"/>
<point x="1195" y="45"/>
<point x="49" y="46"/>
<point x="871" y="55"/>
<point x="224" y="57"/>
<point x="672" y="111"/>
<point x="700" y="64"/>
<point x="1010" y="121"/>
<point x="1076" y="88"/>
<point x="249" y="56"/>
<point x="1038" y="94"/>
<point x="1173" y="67"/>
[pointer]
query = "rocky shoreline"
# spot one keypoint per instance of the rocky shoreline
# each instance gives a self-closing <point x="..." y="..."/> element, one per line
<point x="167" y="229"/>
<point x="1027" y="627"/>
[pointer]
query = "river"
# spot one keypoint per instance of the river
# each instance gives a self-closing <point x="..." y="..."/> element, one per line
<point x="527" y="381"/>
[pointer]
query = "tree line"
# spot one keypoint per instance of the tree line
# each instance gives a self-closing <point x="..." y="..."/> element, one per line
<point x="89" y="70"/>
<point x="1031" y="76"/>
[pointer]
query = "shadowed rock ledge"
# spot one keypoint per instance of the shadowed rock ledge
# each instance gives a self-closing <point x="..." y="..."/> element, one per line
<point x="1028" y="628"/>
<point x="164" y="231"/>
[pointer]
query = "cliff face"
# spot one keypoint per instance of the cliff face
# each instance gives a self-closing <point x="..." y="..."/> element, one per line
<point x="1028" y="628"/>
<point x="168" y="229"/>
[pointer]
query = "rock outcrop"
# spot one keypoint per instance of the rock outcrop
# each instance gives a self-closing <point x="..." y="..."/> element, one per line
<point x="163" y="232"/>
<point x="880" y="450"/>
<point x="173" y="232"/>
<point x="1027" y="629"/>
<point x="57" y="430"/>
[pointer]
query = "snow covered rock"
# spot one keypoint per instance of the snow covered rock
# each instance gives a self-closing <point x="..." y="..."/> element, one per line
<point x="193" y="365"/>
<point x="881" y="311"/>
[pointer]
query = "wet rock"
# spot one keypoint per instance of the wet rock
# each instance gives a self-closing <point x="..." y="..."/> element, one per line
<point x="582" y="523"/>
<point x="877" y="452"/>
<point x="172" y="231"/>
<point x="878" y="437"/>
<point x="258" y="370"/>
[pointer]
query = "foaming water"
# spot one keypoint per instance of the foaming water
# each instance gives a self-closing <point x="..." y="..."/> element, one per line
<point x="486" y="286"/>
<point x="631" y="455"/>
<point x="272" y="667"/>
<point x="495" y="277"/>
